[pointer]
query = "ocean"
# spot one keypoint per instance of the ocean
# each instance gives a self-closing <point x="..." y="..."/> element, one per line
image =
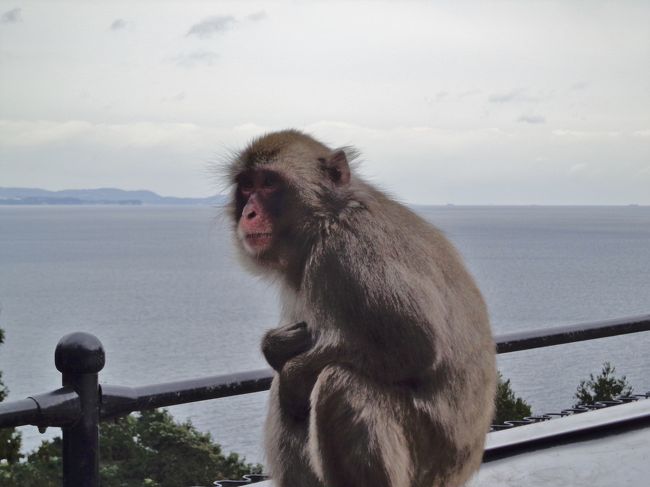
<point x="161" y="288"/>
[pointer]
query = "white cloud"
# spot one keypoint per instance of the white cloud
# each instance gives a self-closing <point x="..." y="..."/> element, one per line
<point x="532" y="119"/>
<point x="178" y="97"/>
<point x="12" y="16"/>
<point x="118" y="24"/>
<point x="512" y="96"/>
<point x="196" y="58"/>
<point x="257" y="16"/>
<point x="210" y="26"/>
<point x="579" y="86"/>
<point x="416" y="163"/>
<point x="586" y="134"/>
<point x="578" y="168"/>
<point x="179" y="136"/>
<point x="28" y="133"/>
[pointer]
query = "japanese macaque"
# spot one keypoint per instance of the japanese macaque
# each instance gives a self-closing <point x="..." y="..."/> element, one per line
<point x="385" y="368"/>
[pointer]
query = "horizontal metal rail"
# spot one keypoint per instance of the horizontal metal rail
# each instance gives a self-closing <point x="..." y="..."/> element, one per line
<point x="78" y="406"/>
<point x="57" y="409"/>
<point x="546" y="337"/>
<point x="119" y="400"/>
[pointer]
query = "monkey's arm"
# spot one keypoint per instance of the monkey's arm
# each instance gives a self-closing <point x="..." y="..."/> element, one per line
<point x="299" y="374"/>
<point x="388" y="362"/>
<point x="285" y="342"/>
<point x="286" y="350"/>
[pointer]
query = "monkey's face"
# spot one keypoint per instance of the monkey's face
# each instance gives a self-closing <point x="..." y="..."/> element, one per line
<point x="286" y="186"/>
<point x="259" y="197"/>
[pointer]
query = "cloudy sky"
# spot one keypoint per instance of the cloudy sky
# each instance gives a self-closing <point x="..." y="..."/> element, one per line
<point x="534" y="102"/>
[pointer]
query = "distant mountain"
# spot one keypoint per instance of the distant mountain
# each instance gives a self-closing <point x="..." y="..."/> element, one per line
<point x="100" y="196"/>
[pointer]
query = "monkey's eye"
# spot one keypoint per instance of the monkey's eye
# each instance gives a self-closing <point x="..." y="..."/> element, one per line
<point x="245" y="185"/>
<point x="270" y="181"/>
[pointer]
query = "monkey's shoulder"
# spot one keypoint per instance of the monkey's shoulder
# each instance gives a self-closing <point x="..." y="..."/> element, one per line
<point x="383" y="229"/>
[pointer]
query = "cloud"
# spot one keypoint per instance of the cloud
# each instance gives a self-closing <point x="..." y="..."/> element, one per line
<point x="14" y="133"/>
<point x="579" y="86"/>
<point x="12" y="16"/>
<point x="257" y="16"/>
<point x="78" y="136"/>
<point x="450" y="96"/>
<point x="642" y="133"/>
<point x="439" y="97"/>
<point x="467" y="93"/>
<point x="578" y="168"/>
<point x="196" y="58"/>
<point x="585" y="133"/>
<point x="422" y="139"/>
<point x="504" y="97"/>
<point x="178" y="97"/>
<point x="137" y="134"/>
<point x="435" y="165"/>
<point x="211" y="26"/>
<point x="533" y="119"/>
<point x="515" y="95"/>
<point x="118" y="24"/>
<point x="26" y="133"/>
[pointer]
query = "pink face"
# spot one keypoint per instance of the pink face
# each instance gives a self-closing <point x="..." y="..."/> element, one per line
<point x="257" y="193"/>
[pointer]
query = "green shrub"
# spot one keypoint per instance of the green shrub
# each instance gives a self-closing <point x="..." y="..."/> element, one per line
<point x="152" y="449"/>
<point x="604" y="387"/>
<point x="148" y="449"/>
<point x="509" y="407"/>
<point x="10" y="439"/>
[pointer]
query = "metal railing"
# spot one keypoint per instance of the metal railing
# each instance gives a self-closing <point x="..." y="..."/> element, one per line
<point x="82" y="402"/>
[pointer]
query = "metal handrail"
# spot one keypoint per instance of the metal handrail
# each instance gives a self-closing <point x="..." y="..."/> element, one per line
<point x="546" y="337"/>
<point x="81" y="403"/>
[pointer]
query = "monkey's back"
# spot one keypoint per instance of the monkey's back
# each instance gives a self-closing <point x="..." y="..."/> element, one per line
<point x="401" y="294"/>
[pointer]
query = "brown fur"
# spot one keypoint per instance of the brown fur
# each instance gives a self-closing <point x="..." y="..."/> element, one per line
<point x="391" y="382"/>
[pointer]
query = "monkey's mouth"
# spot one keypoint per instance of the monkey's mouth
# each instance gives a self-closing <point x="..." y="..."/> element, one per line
<point x="259" y="241"/>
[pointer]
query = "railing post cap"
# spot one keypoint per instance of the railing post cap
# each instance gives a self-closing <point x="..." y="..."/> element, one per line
<point x="79" y="353"/>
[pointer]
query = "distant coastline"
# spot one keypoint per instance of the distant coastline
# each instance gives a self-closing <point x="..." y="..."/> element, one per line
<point x="121" y="197"/>
<point x="99" y="196"/>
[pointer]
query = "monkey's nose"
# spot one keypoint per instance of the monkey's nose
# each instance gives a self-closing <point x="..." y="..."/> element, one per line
<point x="251" y="214"/>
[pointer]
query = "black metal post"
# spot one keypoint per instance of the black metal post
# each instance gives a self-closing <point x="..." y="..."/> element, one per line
<point x="79" y="357"/>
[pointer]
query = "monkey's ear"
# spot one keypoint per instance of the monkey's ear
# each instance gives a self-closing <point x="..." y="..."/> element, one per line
<point x="336" y="167"/>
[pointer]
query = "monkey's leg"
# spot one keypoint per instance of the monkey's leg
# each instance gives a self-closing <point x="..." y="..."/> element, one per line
<point x="287" y="456"/>
<point x="355" y="435"/>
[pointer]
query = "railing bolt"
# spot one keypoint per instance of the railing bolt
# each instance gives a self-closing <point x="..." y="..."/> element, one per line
<point x="79" y="357"/>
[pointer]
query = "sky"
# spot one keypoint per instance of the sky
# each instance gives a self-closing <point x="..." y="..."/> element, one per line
<point x="491" y="102"/>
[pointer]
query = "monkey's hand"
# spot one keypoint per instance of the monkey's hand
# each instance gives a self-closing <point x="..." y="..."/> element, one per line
<point x="285" y="342"/>
<point x="296" y="382"/>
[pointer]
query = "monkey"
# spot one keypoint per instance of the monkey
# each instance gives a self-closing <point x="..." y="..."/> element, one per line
<point x="384" y="369"/>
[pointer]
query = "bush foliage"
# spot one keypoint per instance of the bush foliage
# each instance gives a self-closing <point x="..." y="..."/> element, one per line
<point x="146" y="449"/>
<point x="604" y="387"/>
<point x="9" y="437"/>
<point x="508" y="406"/>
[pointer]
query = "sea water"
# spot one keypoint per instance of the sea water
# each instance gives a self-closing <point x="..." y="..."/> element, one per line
<point x="161" y="288"/>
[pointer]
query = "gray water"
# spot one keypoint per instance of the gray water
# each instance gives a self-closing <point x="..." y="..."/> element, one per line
<point x="162" y="290"/>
